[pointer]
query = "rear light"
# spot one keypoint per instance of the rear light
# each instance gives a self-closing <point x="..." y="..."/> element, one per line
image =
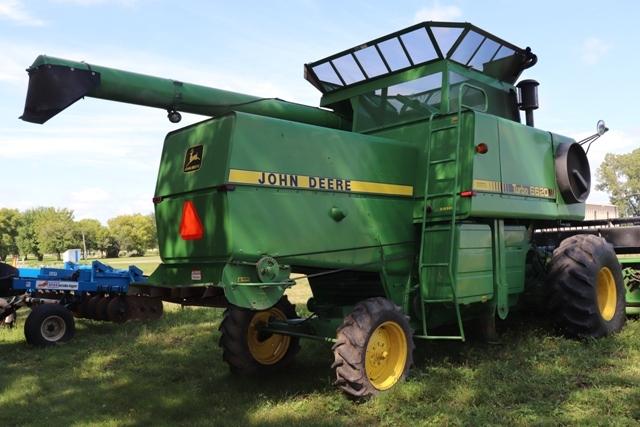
<point x="482" y="148"/>
<point x="468" y="193"/>
<point x="190" y="224"/>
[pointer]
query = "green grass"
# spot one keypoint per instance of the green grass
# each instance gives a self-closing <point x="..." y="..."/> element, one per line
<point x="170" y="372"/>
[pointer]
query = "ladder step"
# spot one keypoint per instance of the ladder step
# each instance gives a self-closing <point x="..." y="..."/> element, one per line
<point x="435" y="264"/>
<point x="437" y="300"/>
<point x="444" y="128"/>
<point x="437" y="195"/>
<point x="440" y="337"/>
<point x="439" y="161"/>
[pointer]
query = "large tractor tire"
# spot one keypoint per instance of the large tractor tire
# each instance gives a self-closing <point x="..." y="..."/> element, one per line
<point x="49" y="324"/>
<point x="373" y="349"/>
<point x="246" y="350"/>
<point x="588" y="294"/>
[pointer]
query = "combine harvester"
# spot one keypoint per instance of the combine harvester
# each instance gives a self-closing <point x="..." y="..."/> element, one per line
<point x="55" y="295"/>
<point x="410" y="202"/>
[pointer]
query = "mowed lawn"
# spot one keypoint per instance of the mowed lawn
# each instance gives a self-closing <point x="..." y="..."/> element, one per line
<point x="170" y="372"/>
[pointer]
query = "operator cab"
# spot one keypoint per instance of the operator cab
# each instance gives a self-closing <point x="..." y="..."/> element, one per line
<point x="424" y="70"/>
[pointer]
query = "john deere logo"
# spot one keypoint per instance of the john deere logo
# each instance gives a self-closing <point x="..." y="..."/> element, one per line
<point x="193" y="158"/>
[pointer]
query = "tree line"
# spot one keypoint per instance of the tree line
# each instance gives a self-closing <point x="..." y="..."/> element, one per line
<point x="619" y="176"/>
<point x="48" y="230"/>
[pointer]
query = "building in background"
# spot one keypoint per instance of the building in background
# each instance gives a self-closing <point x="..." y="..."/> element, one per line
<point x="601" y="212"/>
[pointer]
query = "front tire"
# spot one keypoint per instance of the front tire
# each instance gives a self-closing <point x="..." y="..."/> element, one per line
<point x="49" y="324"/>
<point x="373" y="349"/>
<point x="246" y="350"/>
<point x="588" y="293"/>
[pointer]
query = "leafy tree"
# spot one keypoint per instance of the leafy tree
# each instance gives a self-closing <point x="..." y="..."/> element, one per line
<point x="27" y="240"/>
<point x="90" y="229"/>
<point x="135" y="233"/>
<point x="619" y="175"/>
<point x="54" y="230"/>
<point x="107" y="244"/>
<point x="9" y="223"/>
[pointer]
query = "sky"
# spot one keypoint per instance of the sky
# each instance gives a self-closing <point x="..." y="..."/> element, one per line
<point x="101" y="158"/>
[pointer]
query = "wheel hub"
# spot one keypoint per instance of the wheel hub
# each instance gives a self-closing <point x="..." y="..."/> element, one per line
<point x="266" y="348"/>
<point x="53" y="328"/>
<point x="386" y="355"/>
<point x="606" y="293"/>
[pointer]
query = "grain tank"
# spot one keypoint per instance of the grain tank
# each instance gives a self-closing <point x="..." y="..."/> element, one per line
<point x="408" y="201"/>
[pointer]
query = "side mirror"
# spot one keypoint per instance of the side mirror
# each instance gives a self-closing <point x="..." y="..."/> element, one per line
<point x="601" y="128"/>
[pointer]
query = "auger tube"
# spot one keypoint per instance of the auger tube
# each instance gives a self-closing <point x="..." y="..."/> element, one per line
<point x="55" y="84"/>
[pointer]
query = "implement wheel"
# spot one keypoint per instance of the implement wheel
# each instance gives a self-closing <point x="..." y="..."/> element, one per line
<point x="118" y="310"/>
<point x="373" y="349"/>
<point x="248" y="351"/>
<point x="49" y="324"/>
<point x="588" y="294"/>
<point x="90" y="308"/>
<point x="101" y="308"/>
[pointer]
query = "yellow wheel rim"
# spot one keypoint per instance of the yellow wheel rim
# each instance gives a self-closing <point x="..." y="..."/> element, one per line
<point x="607" y="294"/>
<point x="272" y="348"/>
<point x="386" y="355"/>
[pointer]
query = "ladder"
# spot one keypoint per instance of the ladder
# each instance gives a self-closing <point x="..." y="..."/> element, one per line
<point x="426" y="267"/>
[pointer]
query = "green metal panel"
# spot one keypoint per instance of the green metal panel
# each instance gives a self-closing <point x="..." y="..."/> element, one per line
<point x="517" y="143"/>
<point x="472" y="264"/>
<point x="285" y="217"/>
<point x="516" y="241"/>
<point x="516" y="177"/>
<point x="214" y="136"/>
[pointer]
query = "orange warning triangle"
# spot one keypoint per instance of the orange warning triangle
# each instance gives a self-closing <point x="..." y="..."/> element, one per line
<point x="190" y="224"/>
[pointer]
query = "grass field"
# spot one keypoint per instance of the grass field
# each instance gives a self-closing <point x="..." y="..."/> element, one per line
<point x="170" y="372"/>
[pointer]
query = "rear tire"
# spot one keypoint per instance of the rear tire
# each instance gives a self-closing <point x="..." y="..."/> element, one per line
<point x="245" y="350"/>
<point x="588" y="293"/>
<point x="373" y="349"/>
<point x="49" y="324"/>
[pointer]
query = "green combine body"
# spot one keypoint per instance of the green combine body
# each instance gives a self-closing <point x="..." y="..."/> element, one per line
<point x="409" y="203"/>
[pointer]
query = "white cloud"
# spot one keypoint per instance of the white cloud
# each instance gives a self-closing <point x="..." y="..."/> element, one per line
<point x="14" y="10"/>
<point x="438" y="12"/>
<point x="593" y="49"/>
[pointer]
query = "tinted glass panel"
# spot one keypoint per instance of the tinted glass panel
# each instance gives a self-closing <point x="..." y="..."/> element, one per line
<point x="484" y="54"/>
<point x="467" y="47"/>
<point x="446" y="37"/>
<point x="348" y="69"/>
<point x="408" y="101"/>
<point x="393" y="53"/>
<point x="371" y="62"/>
<point x="419" y="46"/>
<point x="471" y="96"/>
<point x="504" y="52"/>
<point x="326" y="74"/>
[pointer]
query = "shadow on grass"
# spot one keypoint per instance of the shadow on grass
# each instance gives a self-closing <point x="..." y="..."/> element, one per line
<point x="170" y="372"/>
<point x="167" y="372"/>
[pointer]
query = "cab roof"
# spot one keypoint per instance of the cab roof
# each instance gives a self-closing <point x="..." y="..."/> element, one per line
<point x="418" y="45"/>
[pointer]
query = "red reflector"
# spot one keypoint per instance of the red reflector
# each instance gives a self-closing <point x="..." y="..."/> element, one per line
<point x="469" y="193"/>
<point x="482" y="148"/>
<point x="190" y="224"/>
